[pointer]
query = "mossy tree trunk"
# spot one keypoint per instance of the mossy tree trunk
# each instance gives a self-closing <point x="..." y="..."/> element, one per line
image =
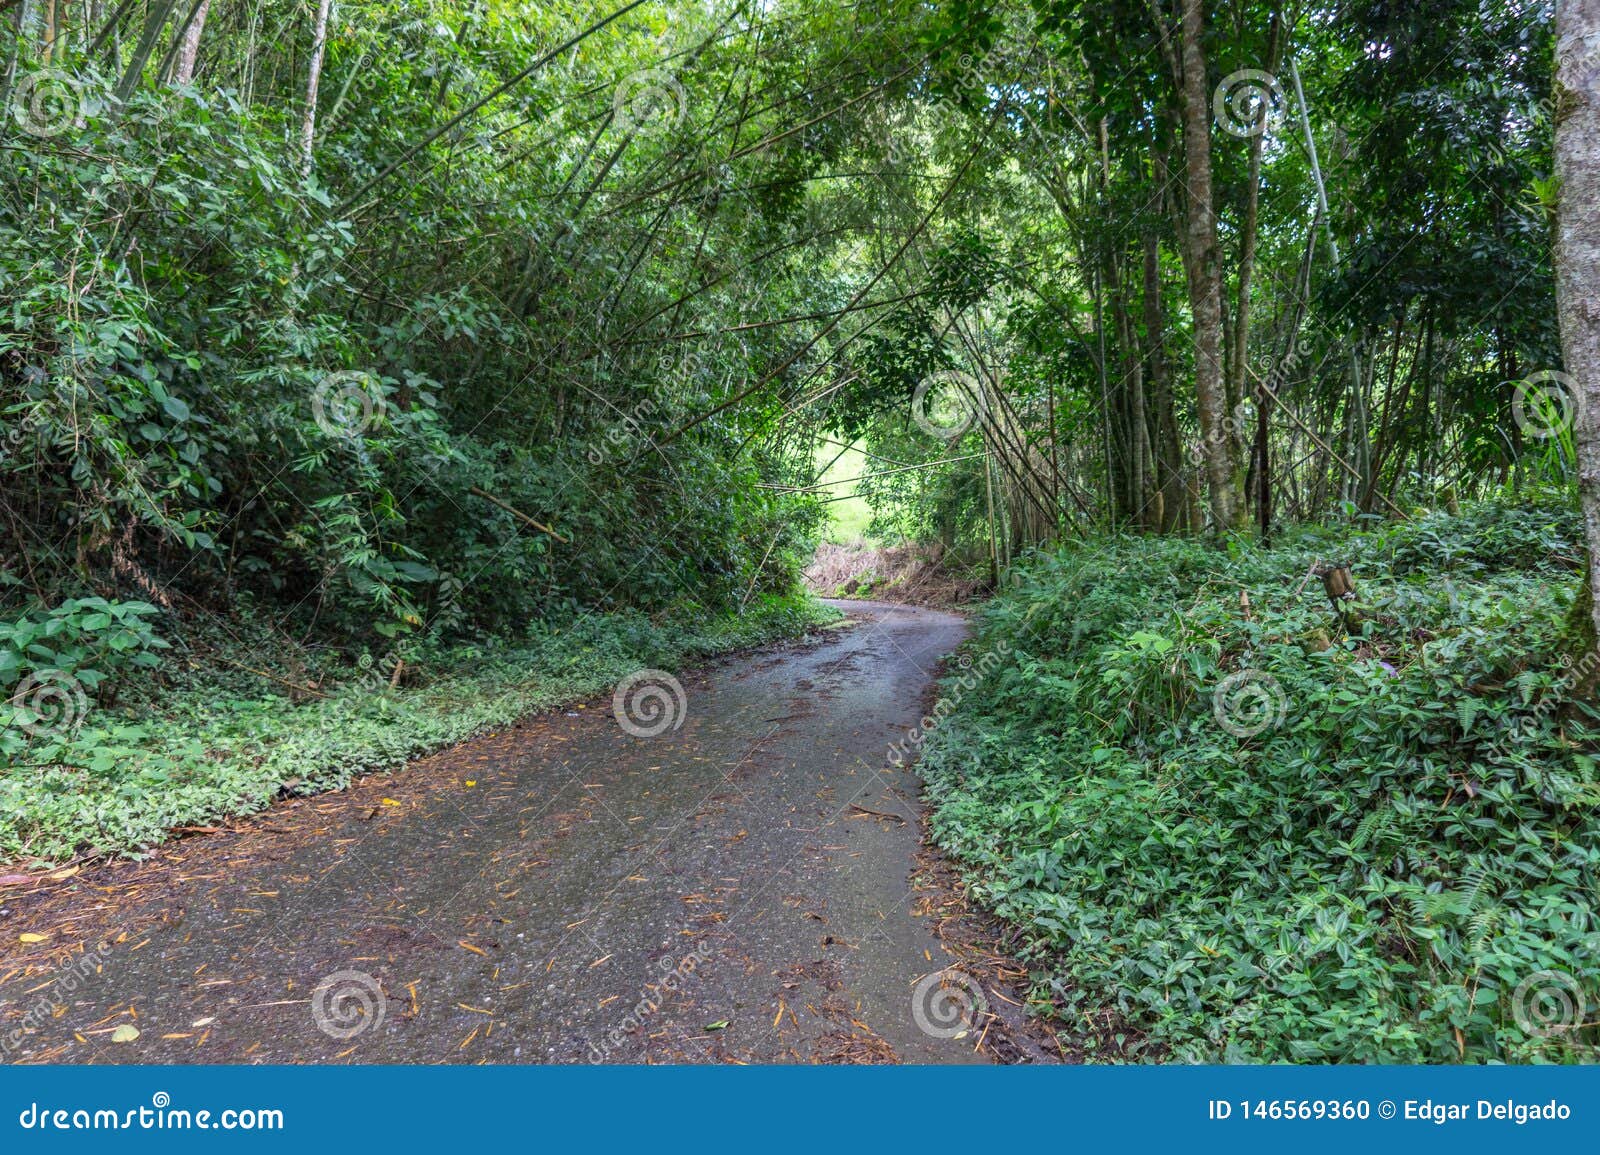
<point x="1577" y="265"/>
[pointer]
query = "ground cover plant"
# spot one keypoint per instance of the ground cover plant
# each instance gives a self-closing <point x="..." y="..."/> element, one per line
<point x="224" y="741"/>
<point x="1236" y="832"/>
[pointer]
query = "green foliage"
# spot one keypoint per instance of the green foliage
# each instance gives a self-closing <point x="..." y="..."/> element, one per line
<point x="89" y="639"/>
<point x="83" y="647"/>
<point x="1486" y="537"/>
<point x="1368" y="875"/>
<point x="214" y="745"/>
<point x="218" y="378"/>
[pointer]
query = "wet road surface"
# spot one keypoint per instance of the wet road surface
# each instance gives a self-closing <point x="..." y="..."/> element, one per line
<point x="732" y="889"/>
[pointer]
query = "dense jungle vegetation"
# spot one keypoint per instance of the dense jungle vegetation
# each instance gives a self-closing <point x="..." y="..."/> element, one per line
<point x="373" y="372"/>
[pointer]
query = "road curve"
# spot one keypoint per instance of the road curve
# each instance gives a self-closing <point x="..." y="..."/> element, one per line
<point x="733" y="889"/>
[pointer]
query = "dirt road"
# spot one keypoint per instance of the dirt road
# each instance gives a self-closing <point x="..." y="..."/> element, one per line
<point x="734" y="888"/>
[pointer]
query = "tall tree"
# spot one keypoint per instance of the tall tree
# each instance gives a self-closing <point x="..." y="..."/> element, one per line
<point x="308" y="126"/>
<point x="1203" y="260"/>
<point x="189" y="51"/>
<point x="1577" y="261"/>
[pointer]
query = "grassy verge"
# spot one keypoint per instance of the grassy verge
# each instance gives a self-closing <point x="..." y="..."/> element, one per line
<point x="212" y="744"/>
<point x="1236" y="834"/>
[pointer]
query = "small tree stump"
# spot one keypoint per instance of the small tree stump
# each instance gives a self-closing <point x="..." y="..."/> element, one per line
<point x="1341" y="591"/>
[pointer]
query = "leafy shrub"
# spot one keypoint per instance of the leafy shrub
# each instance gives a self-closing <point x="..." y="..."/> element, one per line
<point x="216" y="745"/>
<point x="1371" y="874"/>
<point x="1545" y="533"/>
<point x="86" y="643"/>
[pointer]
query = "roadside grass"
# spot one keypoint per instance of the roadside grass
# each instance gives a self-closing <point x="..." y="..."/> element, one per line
<point x="1234" y="833"/>
<point x="211" y="743"/>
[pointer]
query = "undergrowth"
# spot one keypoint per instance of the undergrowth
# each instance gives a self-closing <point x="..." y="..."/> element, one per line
<point x="1237" y="833"/>
<point x="211" y="743"/>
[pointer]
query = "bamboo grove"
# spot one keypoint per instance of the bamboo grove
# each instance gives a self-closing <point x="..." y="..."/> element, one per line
<point x="403" y="315"/>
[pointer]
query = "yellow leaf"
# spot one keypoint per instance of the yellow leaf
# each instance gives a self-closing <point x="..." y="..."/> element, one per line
<point x="32" y="937"/>
<point x="126" y="1033"/>
<point x="390" y="802"/>
<point x="472" y="781"/>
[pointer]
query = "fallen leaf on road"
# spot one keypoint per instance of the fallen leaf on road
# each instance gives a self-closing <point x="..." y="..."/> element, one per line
<point x="720" y="1026"/>
<point x="126" y="1033"/>
<point x="30" y="937"/>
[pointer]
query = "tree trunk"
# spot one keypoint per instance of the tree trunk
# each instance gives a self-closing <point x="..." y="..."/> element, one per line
<point x="1168" y="454"/>
<point x="154" y="23"/>
<point x="24" y="19"/>
<point x="1202" y="259"/>
<point x="308" y="127"/>
<point x="1577" y="261"/>
<point x="190" y="50"/>
<point x="1134" y="490"/>
<point x="1249" y="233"/>
<point x="1127" y="401"/>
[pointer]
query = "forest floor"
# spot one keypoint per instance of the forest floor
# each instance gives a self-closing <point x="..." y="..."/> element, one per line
<point x="751" y="887"/>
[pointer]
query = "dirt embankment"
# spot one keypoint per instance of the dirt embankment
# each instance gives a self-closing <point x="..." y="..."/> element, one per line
<point x="919" y="575"/>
